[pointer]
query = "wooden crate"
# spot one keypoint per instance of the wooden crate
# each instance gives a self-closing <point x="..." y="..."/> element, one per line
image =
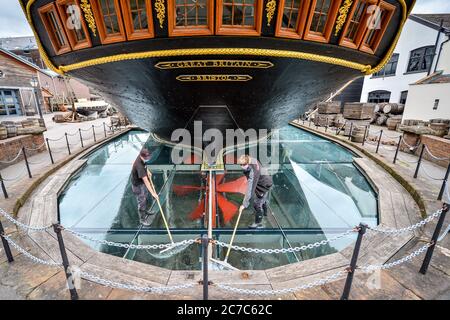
<point x="358" y="111"/>
<point x="329" y="107"/>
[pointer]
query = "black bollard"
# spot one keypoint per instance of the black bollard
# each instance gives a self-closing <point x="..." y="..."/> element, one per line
<point x="379" y="141"/>
<point x="419" y="162"/>
<point x="398" y="148"/>
<point x="6" y="244"/>
<point x="205" y="243"/>
<point x="365" y="135"/>
<point x="441" y="192"/>
<point x="26" y="162"/>
<point x="351" y="270"/>
<point x="50" y="151"/>
<point x="326" y="124"/>
<point x="65" y="262"/>
<point x="81" y="138"/>
<point x="68" y="145"/>
<point x="104" y="128"/>
<point x="437" y="231"/>
<point x="93" y="132"/>
<point x="2" y="183"/>
<point x="351" y="129"/>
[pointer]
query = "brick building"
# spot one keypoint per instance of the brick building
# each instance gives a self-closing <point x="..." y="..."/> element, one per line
<point x="16" y="92"/>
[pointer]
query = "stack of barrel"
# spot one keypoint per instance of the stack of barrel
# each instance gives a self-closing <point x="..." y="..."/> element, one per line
<point x="327" y="114"/>
<point x="10" y="129"/>
<point x="389" y="114"/>
<point x="440" y="126"/>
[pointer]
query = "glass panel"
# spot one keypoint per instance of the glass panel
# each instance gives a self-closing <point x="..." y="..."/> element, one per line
<point x="109" y="16"/>
<point x="56" y="29"/>
<point x="291" y="14"/>
<point x="239" y="13"/>
<point x="320" y="16"/>
<point x="193" y="13"/>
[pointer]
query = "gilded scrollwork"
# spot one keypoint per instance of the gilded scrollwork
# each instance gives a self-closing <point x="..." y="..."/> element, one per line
<point x="86" y="7"/>
<point x="343" y="12"/>
<point x="160" y="12"/>
<point x="271" y="5"/>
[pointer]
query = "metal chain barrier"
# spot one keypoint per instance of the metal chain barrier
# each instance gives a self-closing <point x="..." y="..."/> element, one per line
<point x="133" y="287"/>
<point x="38" y="162"/>
<point x="430" y="176"/>
<point x="132" y="246"/>
<point x="286" y="250"/>
<point x="386" y="266"/>
<point x="19" y="176"/>
<point x="255" y="292"/>
<point x="49" y="139"/>
<point x="410" y="228"/>
<point x="433" y="156"/>
<point x="22" y="225"/>
<point x="15" y="158"/>
<point x="29" y="255"/>
<point x="410" y="146"/>
<point x="35" y="149"/>
<point x="374" y="133"/>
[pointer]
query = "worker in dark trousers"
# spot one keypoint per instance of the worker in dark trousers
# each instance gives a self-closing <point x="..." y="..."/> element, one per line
<point x="259" y="183"/>
<point x="141" y="186"/>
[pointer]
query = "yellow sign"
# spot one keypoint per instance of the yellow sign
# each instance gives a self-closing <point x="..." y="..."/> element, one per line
<point x="214" y="64"/>
<point x="214" y="77"/>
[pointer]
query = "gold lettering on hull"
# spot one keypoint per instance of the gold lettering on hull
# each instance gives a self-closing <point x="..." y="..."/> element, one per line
<point x="214" y="77"/>
<point x="213" y="64"/>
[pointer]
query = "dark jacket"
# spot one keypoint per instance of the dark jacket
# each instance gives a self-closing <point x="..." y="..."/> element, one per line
<point x="258" y="181"/>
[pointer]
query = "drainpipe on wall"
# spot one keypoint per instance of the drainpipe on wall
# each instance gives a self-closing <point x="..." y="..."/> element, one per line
<point x="440" y="51"/>
<point x="435" y="47"/>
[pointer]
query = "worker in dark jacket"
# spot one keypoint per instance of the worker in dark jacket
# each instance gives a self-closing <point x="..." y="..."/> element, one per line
<point x="259" y="183"/>
<point x="140" y="184"/>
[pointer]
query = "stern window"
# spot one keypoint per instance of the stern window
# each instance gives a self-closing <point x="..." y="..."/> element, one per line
<point x="53" y="26"/>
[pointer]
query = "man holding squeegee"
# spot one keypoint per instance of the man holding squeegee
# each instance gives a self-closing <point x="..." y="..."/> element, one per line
<point x="140" y="185"/>
<point x="259" y="183"/>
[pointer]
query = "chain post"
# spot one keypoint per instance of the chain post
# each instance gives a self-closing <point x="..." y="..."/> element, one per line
<point x="67" y="141"/>
<point x="93" y="132"/>
<point x="326" y="124"/>
<point x="205" y="244"/>
<point x="50" y="151"/>
<point x="2" y="183"/>
<point x="6" y="244"/>
<point x="65" y="262"/>
<point x="104" y="128"/>
<point x="351" y="270"/>
<point x="434" y="239"/>
<point x="309" y="122"/>
<point x="444" y="183"/>
<point x="81" y="138"/>
<point x="26" y="162"/>
<point x="419" y="162"/>
<point x="351" y="129"/>
<point x="365" y="136"/>
<point x="379" y="140"/>
<point x="398" y="148"/>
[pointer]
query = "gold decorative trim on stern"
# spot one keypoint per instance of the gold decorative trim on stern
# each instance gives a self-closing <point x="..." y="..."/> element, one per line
<point x="89" y="16"/>
<point x="343" y="12"/>
<point x="160" y="12"/>
<point x="271" y="5"/>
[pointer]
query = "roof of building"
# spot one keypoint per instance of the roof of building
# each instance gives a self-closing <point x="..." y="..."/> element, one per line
<point x="433" y="20"/>
<point x="437" y="77"/>
<point x="28" y="63"/>
<point x="18" y="43"/>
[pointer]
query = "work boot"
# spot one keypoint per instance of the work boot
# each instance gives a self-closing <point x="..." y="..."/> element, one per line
<point x="255" y="226"/>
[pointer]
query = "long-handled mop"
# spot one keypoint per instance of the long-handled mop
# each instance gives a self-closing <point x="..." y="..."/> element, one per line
<point x="224" y="265"/>
<point x="173" y="249"/>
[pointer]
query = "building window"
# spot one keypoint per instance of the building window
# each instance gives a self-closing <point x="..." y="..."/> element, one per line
<point x="356" y="25"/>
<point x="239" y="17"/>
<point x="75" y="26"/>
<point x="187" y="17"/>
<point x="403" y="97"/>
<point x="321" y="19"/>
<point x="291" y="19"/>
<point x="9" y="104"/>
<point x="377" y="23"/>
<point x="389" y="69"/>
<point x="53" y="26"/>
<point x="137" y="16"/>
<point x="421" y="59"/>
<point x="379" y="96"/>
<point x="436" y="104"/>
<point x="109" y="20"/>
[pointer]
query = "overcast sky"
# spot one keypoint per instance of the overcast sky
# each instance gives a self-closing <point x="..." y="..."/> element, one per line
<point x="13" y="22"/>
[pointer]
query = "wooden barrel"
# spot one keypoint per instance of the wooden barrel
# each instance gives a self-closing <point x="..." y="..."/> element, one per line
<point x="27" y="123"/>
<point x="30" y="130"/>
<point x="11" y="130"/>
<point x="394" y="108"/>
<point x="440" y="129"/>
<point x="58" y="118"/>
<point x="41" y="122"/>
<point x="392" y="123"/>
<point x="329" y="107"/>
<point x="381" y="120"/>
<point x="447" y="121"/>
<point x="358" y="134"/>
<point x="3" y="133"/>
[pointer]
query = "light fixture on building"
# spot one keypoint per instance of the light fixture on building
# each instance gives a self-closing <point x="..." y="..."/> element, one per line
<point x="34" y="82"/>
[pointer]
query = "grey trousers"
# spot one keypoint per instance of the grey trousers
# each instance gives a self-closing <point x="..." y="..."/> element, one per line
<point x="141" y="193"/>
<point x="260" y="206"/>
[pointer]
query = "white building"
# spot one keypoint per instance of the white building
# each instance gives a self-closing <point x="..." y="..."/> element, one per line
<point x="415" y="57"/>
<point x="429" y="98"/>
